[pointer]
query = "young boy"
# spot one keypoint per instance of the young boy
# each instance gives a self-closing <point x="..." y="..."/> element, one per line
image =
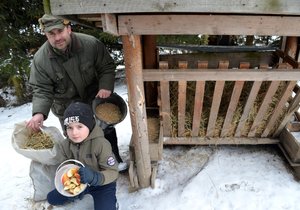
<point x="85" y="142"/>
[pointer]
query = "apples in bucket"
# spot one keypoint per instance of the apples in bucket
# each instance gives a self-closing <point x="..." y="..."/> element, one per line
<point x="67" y="179"/>
<point x="71" y="181"/>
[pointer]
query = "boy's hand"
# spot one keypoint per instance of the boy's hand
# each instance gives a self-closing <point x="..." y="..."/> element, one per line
<point x="89" y="176"/>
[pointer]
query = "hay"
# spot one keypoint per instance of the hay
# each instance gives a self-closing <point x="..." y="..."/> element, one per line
<point x="38" y="141"/>
<point x="226" y="97"/>
<point x="153" y="128"/>
<point x="109" y="113"/>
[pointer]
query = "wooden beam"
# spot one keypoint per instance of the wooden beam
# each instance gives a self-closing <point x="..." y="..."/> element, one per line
<point x="133" y="62"/>
<point x="224" y="75"/>
<point x="279" y="7"/>
<point x="150" y="61"/>
<point x="90" y="17"/>
<point x="109" y="23"/>
<point x="217" y="141"/>
<point x="209" y="24"/>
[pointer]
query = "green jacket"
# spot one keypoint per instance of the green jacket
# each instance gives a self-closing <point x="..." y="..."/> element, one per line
<point x="94" y="152"/>
<point x="58" y="79"/>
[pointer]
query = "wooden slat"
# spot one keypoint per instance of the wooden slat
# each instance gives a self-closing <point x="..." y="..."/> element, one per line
<point x="236" y="93"/>
<point x="226" y="75"/>
<point x="148" y="24"/>
<point x="218" y="141"/>
<point x="165" y="102"/>
<point x="198" y="104"/>
<point x="218" y="92"/>
<point x="59" y="7"/>
<point x="279" y="107"/>
<point x="249" y="104"/>
<point x="294" y="106"/>
<point x="263" y="107"/>
<point x="181" y="100"/>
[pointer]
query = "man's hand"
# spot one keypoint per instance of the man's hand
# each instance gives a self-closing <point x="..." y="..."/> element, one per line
<point x="35" y="122"/>
<point x="103" y="93"/>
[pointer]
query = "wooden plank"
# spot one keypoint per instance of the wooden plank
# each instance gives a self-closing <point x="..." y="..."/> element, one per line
<point x="165" y="102"/>
<point x="133" y="62"/>
<point x="198" y="104"/>
<point x="249" y="104"/>
<point x="217" y="96"/>
<point x="209" y="24"/>
<point x="225" y="75"/>
<point x="236" y="93"/>
<point x="218" y="141"/>
<point x="263" y="107"/>
<point x="181" y="100"/>
<point x="59" y="7"/>
<point x="279" y="107"/>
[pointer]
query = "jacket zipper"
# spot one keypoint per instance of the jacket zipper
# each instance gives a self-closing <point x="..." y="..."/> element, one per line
<point x="77" y="152"/>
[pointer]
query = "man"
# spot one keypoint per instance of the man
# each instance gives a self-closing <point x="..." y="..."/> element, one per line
<point x="69" y="67"/>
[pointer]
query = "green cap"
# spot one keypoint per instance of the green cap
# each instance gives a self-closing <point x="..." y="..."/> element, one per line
<point x="50" y="22"/>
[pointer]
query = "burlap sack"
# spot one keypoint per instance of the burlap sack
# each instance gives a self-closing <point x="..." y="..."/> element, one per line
<point x="45" y="156"/>
<point x="42" y="177"/>
<point x="44" y="162"/>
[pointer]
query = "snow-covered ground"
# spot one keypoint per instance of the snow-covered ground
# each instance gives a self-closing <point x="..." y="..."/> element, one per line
<point x="188" y="178"/>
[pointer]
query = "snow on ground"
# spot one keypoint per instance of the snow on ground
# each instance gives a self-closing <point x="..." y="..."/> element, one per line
<point x="189" y="177"/>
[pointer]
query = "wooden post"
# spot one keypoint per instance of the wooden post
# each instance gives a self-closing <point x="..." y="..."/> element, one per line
<point x="150" y="62"/>
<point x="134" y="75"/>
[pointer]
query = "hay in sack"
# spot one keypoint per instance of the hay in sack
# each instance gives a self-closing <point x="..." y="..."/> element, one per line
<point x="45" y="156"/>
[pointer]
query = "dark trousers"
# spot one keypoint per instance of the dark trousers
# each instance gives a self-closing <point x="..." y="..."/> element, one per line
<point x="104" y="197"/>
<point x="111" y="135"/>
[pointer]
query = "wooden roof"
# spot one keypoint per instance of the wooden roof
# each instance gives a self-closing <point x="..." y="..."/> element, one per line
<point x="149" y="17"/>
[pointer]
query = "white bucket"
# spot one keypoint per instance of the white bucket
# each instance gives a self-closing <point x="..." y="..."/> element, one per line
<point x="60" y="171"/>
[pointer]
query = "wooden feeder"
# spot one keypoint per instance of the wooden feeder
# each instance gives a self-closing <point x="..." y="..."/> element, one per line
<point x="152" y="78"/>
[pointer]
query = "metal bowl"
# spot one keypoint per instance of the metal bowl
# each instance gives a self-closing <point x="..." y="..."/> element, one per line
<point x="115" y="99"/>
